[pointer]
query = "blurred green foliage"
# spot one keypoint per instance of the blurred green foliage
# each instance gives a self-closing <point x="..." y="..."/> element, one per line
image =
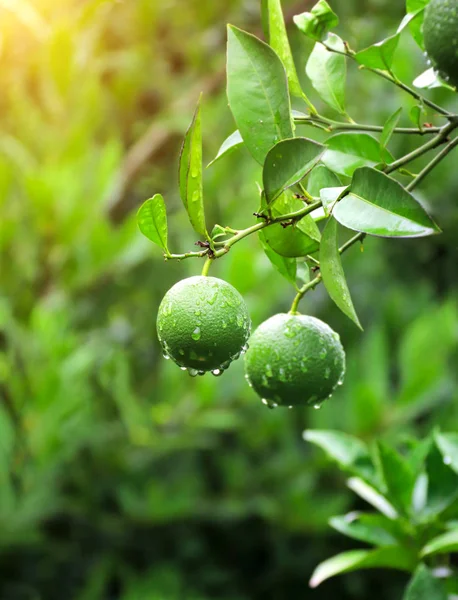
<point x="120" y="477"/>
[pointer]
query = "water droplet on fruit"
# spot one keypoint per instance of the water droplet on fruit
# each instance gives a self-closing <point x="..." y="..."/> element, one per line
<point x="166" y="356"/>
<point x="197" y="312"/>
<point x="224" y="325"/>
<point x="317" y="406"/>
<point x="196" y="334"/>
<point x="269" y="403"/>
<point x="327" y="373"/>
<point x="269" y="371"/>
<point x="248" y="381"/>
<point x="181" y="351"/>
<point x="193" y="372"/>
<point x="323" y="353"/>
<point x="201" y="373"/>
<point x="217" y="372"/>
<point x="447" y="460"/>
<point x="183" y="368"/>
<point x="290" y="407"/>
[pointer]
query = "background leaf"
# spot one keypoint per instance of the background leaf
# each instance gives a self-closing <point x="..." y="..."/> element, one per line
<point x="350" y="453"/>
<point x="190" y="175"/>
<point x="424" y="586"/>
<point x="319" y="178"/>
<point x="328" y="71"/>
<point x="278" y="40"/>
<point x="397" y="476"/>
<point x="257" y="90"/>
<point x="285" y="266"/>
<point x="333" y="273"/>
<point x="317" y="23"/>
<point x="389" y="127"/>
<point x="379" y="205"/>
<point x="152" y="221"/>
<point x="287" y="163"/>
<point x="448" y="446"/>
<point x="389" y="557"/>
<point x="230" y="144"/>
<point x="372" y="496"/>
<point x="442" y="544"/>
<point x="366" y="528"/>
<point x="416" y="25"/>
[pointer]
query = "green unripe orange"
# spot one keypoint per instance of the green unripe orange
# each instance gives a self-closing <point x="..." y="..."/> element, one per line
<point x="294" y="360"/>
<point x="440" y="30"/>
<point x="203" y="324"/>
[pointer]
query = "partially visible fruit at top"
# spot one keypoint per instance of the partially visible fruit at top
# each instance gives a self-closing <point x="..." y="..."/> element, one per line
<point x="440" y="30"/>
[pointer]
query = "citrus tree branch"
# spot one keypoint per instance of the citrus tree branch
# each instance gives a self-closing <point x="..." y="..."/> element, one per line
<point x="430" y="166"/>
<point x="430" y="145"/>
<point x="311" y="285"/>
<point x="389" y="77"/>
<point x="331" y="126"/>
<point x="240" y="235"/>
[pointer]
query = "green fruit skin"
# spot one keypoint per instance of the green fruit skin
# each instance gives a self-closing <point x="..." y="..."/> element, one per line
<point x="440" y="30"/>
<point x="203" y="323"/>
<point x="294" y="360"/>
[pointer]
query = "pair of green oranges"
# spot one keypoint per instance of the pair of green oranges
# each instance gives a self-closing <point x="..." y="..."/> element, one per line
<point x="203" y="325"/>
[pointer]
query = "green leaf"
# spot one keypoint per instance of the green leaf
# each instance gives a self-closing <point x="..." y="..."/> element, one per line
<point x="190" y="174"/>
<point x="448" y="447"/>
<point x="372" y="496"/>
<point x="285" y="266"/>
<point x="392" y="557"/>
<point x="152" y="221"/>
<point x="329" y="197"/>
<point x="379" y="55"/>
<point x="230" y="144"/>
<point x="328" y="71"/>
<point x="347" y="152"/>
<point x="415" y="115"/>
<point x="299" y="239"/>
<point x="442" y="483"/>
<point x="287" y="163"/>
<point x="430" y="79"/>
<point x="365" y="527"/>
<point x="424" y="586"/>
<point x="397" y="476"/>
<point x="257" y="90"/>
<point x="416" y="7"/>
<point x="442" y="544"/>
<point x="321" y="177"/>
<point x="380" y="206"/>
<point x="333" y="273"/>
<point x="389" y="128"/>
<point x="317" y="23"/>
<point x="349" y="452"/>
<point x="278" y="40"/>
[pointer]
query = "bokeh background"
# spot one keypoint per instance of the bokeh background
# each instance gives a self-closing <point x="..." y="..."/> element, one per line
<point x="120" y="476"/>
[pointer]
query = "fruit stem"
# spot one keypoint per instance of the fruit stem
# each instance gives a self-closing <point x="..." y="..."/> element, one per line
<point x="359" y="237"/>
<point x="206" y="267"/>
<point x="301" y="293"/>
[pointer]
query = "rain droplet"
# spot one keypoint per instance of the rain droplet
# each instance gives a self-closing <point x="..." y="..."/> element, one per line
<point x="183" y="368"/>
<point x="181" y="351"/>
<point x="196" y="334"/>
<point x="269" y="371"/>
<point x="290" y="407"/>
<point x="217" y="372"/>
<point x="201" y="373"/>
<point x="166" y="356"/>
<point x="327" y="373"/>
<point x="197" y="312"/>
<point x="193" y="372"/>
<point x="323" y="353"/>
<point x="317" y="406"/>
<point x="269" y="403"/>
